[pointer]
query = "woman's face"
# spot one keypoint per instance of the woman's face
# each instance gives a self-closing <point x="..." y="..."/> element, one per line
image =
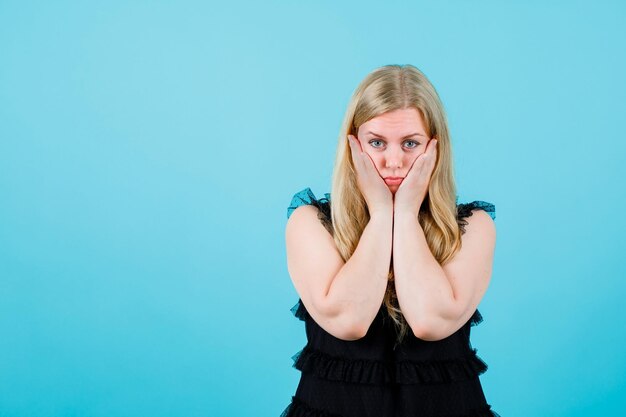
<point x="393" y="141"/>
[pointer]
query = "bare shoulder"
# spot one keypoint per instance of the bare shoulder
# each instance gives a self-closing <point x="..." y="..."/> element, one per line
<point x="479" y="239"/>
<point x="480" y="224"/>
<point x="310" y="247"/>
<point x="305" y="216"/>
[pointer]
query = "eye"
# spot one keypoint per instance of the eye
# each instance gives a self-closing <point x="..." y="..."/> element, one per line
<point x="415" y="143"/>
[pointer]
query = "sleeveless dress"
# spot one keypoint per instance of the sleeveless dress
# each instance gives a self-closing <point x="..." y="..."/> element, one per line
<point x="372" y="377"/>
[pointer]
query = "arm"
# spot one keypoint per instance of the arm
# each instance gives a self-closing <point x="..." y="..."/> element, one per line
<point x="436" y="301"/>
<point x="359" y="287"/>
<point x="342" y="297"/>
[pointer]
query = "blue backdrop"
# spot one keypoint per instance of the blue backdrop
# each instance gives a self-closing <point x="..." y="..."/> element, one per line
<point x="149" y="151"/>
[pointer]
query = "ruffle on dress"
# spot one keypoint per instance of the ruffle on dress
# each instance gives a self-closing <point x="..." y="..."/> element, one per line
<point x="379" y="372"/>
<point x="362" y="371"/>
<point x="437" y="371"/>
<point x="299" y="311"/>
<point x="476" y="318"/>
<point x="337" y="368"/>
<point x="464" y="210"/>
<point x="306" y="197"/>
<point x="299" y="408"/>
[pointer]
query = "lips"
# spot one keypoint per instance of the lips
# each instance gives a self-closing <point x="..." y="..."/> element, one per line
<point x="393" y="180"/>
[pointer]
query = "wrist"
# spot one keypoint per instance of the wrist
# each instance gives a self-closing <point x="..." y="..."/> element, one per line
<point x="381" y="211"/>
<point x="405" y="211"/>
<point x="402" y="215"/>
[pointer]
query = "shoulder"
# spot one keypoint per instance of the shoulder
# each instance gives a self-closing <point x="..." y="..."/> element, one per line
<point x="306" y="197"/>
<point x="481" y="224"/>
<point x="478" y="241"/>
<point x="309" y="211"/>
<point x="477" y="215"/>
<point x="466" y="209"/>
<point x="303" y="215"/>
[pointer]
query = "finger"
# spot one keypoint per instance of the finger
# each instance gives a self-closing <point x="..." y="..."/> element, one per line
<point x="435" y="142"/>
<point x="428" y="155"/>
<point x="416" y="166"/>
<point x="354" y="143"/>
<point x="433" y="157"/>
<point x="352" y="147"/>
<point x="357" y="143"/>
<point x="356" y="154"/>
<point x="367" y="157"/>
<point x="368" y="162"/>
<point x="367" y="165"/>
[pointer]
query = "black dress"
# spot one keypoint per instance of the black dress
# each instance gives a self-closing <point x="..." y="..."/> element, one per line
<point x="371" y="377"/>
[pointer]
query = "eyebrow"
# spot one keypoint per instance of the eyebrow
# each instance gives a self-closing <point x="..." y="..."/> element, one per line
<point x="407" y="136"/>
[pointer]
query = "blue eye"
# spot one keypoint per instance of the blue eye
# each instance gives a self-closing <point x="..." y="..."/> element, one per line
<point x="416" y="144"/>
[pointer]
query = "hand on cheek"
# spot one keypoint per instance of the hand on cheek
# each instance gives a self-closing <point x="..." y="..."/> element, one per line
<point x="369" y="181"/>
<point x="414" y="187"/>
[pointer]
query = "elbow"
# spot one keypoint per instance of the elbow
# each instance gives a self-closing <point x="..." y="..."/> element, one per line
<point x="353" y="334"/>
<point x="433" y="327"/>
<point x="353" y="331"/>
<point x="344" y="326"/>
<point x="348" y="333"/>
<point x="427" y="332"/>
<point x="420" y="331"/>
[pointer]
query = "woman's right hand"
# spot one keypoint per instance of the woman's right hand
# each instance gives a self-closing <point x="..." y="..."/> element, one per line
<point x="372" y="185"/>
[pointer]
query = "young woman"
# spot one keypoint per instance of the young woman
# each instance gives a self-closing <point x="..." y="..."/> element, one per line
<point x="390" y="273"/>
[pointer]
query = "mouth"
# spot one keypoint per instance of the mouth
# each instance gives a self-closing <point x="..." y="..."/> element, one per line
<point x="393" y="180"/>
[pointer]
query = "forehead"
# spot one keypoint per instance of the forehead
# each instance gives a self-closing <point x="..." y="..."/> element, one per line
<point x="395" y="123"/>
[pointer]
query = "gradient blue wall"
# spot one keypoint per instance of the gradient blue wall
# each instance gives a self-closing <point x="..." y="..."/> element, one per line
<point x="149" y="151"/>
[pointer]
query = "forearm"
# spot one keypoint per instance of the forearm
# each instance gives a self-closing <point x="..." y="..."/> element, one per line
<point x="423" y="289"/>
<point x="360" y="285"/>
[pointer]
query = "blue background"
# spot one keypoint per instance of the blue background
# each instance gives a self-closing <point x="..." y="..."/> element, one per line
<point x="149" y="151"/>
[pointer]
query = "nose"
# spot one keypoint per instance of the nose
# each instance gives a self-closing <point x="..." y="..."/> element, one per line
<point x="393" y="160"/>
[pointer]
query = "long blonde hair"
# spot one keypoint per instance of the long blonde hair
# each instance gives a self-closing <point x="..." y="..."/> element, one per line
<point x="388" y="88"/>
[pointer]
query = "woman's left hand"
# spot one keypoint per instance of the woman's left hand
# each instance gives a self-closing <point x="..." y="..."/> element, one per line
<point x="412" y="190"/>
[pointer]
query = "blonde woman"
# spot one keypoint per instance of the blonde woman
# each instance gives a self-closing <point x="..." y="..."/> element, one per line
<point x="389" y="268"/>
